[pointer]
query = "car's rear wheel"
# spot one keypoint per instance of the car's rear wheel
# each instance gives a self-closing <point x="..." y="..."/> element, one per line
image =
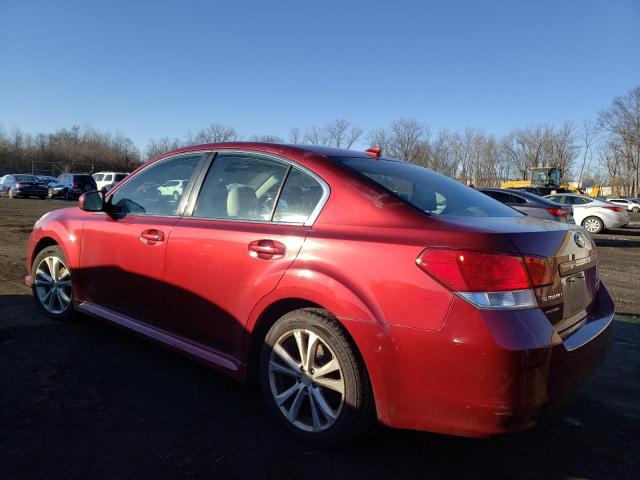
<point x="593" y="224"/>
<point x="52" y="287"/>
<point x="313" y="380"/>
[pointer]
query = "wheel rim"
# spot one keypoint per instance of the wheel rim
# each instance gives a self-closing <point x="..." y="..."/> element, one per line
<point x="10" y="193"/>
<point x="306" y="380"/>
<point x="53" y="285"/>
<point x="50" y="193"/>
<point x="592" y="225"/>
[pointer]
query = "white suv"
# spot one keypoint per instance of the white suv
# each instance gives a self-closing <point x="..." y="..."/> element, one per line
<point x="106" y="180"/>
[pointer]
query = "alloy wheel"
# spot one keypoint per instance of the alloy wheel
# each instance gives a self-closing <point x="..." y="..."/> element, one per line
<point x="593" y="225"/>
<point x="53" y="285"/>
<point x="10" y="193"/>
<point x="306" y="380"/>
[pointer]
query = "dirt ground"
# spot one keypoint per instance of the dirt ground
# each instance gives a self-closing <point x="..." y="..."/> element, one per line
<point x="86" y="400"/>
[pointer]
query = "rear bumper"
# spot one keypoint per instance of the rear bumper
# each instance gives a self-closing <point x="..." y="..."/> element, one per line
<point x="490" y="372"/>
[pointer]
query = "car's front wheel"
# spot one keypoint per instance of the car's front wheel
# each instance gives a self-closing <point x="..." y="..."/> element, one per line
<point x="10" y="193"/>
<point x="635" y="209"/>
<point x="52" y="287"/>
<point x="593" y="224"/>
<point x="313" y="380"/>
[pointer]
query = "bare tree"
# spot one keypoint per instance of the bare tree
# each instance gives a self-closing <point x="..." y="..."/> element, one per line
<point x="295" y="136"/>
<point x="342" y="134"/>
<point x="216" y="133"/>
<point x="407" y="134"/>
<point x="621" y="121"/>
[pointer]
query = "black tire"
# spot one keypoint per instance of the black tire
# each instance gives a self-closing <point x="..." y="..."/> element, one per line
<point x="50" y="193"/>
<point x="357" y="411"/>
<point x="635" y="209"/>
<point x="51" y="251"/>
<point x="593" y="224"/>
<point x="10" y="194"/>
<point x="176" y="197"/>
<point x="42" y="197"/>
<point x="67" y="195"/>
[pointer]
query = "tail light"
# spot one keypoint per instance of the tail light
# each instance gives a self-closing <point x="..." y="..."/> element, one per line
<point x="614" y="209"/>
<point x="558" y="212"/>
<point x="488" y="279"/>
<point x="74" y="185"/>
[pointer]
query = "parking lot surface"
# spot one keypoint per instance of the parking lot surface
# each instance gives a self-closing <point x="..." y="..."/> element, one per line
<point x="86" y="400"/>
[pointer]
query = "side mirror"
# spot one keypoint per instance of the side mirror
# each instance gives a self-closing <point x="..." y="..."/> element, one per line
<point x="91" y="201"/>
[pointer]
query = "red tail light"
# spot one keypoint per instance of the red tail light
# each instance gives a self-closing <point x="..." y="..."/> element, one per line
<point x="614" y="209"/>
<point x="558" y="212"/>
<point x="74" y="185"/>
<point x="472" y="271"/>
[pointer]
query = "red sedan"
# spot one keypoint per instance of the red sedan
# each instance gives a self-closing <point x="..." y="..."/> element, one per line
<point x="353" y="287"/>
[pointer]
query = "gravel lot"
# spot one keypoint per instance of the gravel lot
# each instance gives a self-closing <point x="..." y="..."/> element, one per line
<point x="86" y="400"/>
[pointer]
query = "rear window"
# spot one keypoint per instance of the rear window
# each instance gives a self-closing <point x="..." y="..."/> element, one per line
<point x="120" y="176"/>
<point x="428" y="191"/>
<point x="83" y="178"/>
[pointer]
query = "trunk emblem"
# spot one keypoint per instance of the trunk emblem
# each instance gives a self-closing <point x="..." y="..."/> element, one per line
<point x="579" y="239"/>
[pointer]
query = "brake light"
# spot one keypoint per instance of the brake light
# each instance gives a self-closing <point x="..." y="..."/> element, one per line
<point x="488" y="279"/>
<point x="558" y="212"/>
<point x="74" y="185"/>
<point x="614" y="209"/>
<point x="374" y="152"/>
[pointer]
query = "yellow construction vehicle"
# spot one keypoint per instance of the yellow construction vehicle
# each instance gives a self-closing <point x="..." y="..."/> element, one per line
<point x="541" y="178"/>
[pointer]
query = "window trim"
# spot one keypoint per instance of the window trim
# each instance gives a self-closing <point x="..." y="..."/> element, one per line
<point x="195" y="192"/>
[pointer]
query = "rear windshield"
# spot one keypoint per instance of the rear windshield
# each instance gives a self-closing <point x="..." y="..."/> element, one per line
<point x="83" y="178"/>
<point x="428" y="191"/>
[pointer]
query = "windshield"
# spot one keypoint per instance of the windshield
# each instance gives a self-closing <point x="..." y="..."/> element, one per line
<point x="26" y="178"/>
<point x="428" y="191"/>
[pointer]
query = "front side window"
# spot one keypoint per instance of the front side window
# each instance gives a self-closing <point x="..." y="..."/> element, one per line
<point x="108" y="177"/>
<point x="428" y="191"/>
<point x="142" y="195"/>
<point x="240" y="186"/>
<point x="98" y="177"/>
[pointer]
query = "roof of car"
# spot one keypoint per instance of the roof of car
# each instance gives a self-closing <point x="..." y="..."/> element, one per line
<point x="327" y="152"/>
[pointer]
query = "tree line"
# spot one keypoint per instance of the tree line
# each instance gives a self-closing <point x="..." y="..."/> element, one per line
<point x="602" y="150"/>
<point x="66" y="150"/>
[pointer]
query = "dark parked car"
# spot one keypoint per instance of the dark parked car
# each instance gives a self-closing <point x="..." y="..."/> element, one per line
<point x="354" y="287"/>
<point x="531" y="204"/>
<point x="71" y="185"/>
<point x="22" y="185"/>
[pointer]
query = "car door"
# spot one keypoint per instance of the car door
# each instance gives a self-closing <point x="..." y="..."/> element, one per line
<point x="244" y="227"/>
<point x="122" y="252"/>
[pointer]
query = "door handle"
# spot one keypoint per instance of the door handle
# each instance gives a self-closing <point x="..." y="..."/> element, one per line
<point x="151" y="236"/>
<point x="266" y="249"/>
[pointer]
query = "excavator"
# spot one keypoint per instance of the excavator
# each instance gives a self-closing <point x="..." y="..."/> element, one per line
<point x="545" y="180"/>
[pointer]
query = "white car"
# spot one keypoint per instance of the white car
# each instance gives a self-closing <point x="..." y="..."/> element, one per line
<point x="629" y="204"/>
<point x="593" y="214"/>
<point x="106" y="180"/>
<point x="172" y="188"/>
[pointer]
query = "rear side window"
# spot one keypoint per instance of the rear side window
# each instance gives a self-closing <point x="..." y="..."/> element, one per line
<point x="428" y="191"/>
<point x="98" y="177"/>
<point x="240" y="186"/>
<point x="298" y="199"/>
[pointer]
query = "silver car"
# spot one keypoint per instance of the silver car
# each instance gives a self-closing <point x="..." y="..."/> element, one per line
<point x="592" y="213"/>
<point x="532" y="205"/>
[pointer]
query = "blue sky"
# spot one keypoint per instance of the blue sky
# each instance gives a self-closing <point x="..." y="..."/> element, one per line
<point x="154" y="68"/>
